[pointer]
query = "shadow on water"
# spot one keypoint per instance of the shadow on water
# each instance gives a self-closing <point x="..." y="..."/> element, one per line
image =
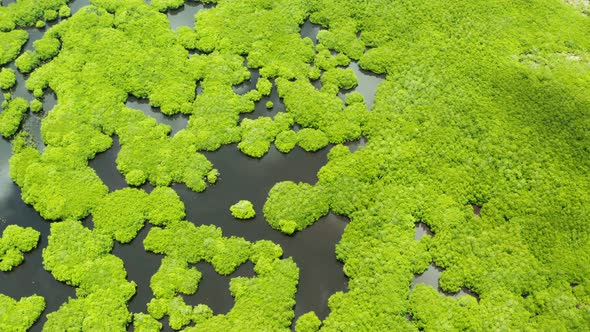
<point x="261" y="109"/>
<point x="140" y="266"/>
<point x="310" y="30"/>
<point x="75" y="5"/>
<point x="431" y="278"/>
<point x="249" y="84"/>
<point x="422" y="230"/>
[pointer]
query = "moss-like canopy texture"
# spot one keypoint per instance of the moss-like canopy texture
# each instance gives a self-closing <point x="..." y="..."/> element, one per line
<point x="482" y="103"/>
<point x="243" y="210"/>
<point x="14" y="242"/>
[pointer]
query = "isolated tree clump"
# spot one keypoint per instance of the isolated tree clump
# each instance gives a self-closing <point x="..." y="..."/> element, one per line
<point x="243" y="210"/>
<point x="15" y="241"/>
<point x="7" y="78"/>
<point x="12" y="42"/>
<point x="12" y="114"/>
<point x="292" y="207"/>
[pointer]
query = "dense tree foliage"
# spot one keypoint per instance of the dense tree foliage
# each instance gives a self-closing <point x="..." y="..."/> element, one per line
<point x="15" y="241"/>
<point x="146" y="323"/>
<point x="12" y="42"/>
<point x="257" y="135"/>
<point x="468" y="115"/>
<point x="7" y="78"/>
<point x="24" y="13"/>
<point x="312" y="139"/>
<point x="57" y="184"/>
<point x="36" y="106"/>
<point x="122" y="213"/>
<point x="292" y="207"/>
<point x="243" y="210"/>
<point x="13" y="112"/>
<point x="270" y="294"/>
<point x="308" y="322"/>
<point x="80" y="257"/>
<point x="20" y="315"/>
<point x="482" y="103"/>
<point x="286" y="141"/>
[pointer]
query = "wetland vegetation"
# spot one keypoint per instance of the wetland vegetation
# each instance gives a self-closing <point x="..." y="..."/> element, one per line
<point x="478" y="132"/>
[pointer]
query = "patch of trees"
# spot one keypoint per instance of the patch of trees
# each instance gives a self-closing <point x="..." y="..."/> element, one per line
<point x="13" y="112"/>
<point x="264" y="302"/>
<point x="26" y="13"/>
<point x="81" y="258"/>
<point x="292" y="207"/>
<point x="12" y="42"/>
<point x="475" y="109"/>
<point x="15" y="241"/>
<point x="243" y="210"/>
<point x="20" y="315"/>
<point x="7" y="78"/>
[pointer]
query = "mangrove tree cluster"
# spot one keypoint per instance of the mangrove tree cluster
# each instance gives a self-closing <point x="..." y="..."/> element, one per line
<point x="15" y="241"/>
<point x="483" y="103"/>
<point x="243" y="210"/>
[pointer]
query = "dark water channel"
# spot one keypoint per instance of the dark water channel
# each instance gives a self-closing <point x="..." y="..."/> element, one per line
<point x="241" y="177"/>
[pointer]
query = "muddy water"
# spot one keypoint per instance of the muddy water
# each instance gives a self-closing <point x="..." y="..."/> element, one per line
<point x="241" y="177"/>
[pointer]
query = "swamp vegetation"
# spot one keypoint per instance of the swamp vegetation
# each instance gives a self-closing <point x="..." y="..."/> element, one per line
<point x="483" y="107"/>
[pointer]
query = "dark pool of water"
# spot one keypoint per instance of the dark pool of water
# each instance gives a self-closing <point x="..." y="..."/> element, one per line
<point x="422" y="230"/>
